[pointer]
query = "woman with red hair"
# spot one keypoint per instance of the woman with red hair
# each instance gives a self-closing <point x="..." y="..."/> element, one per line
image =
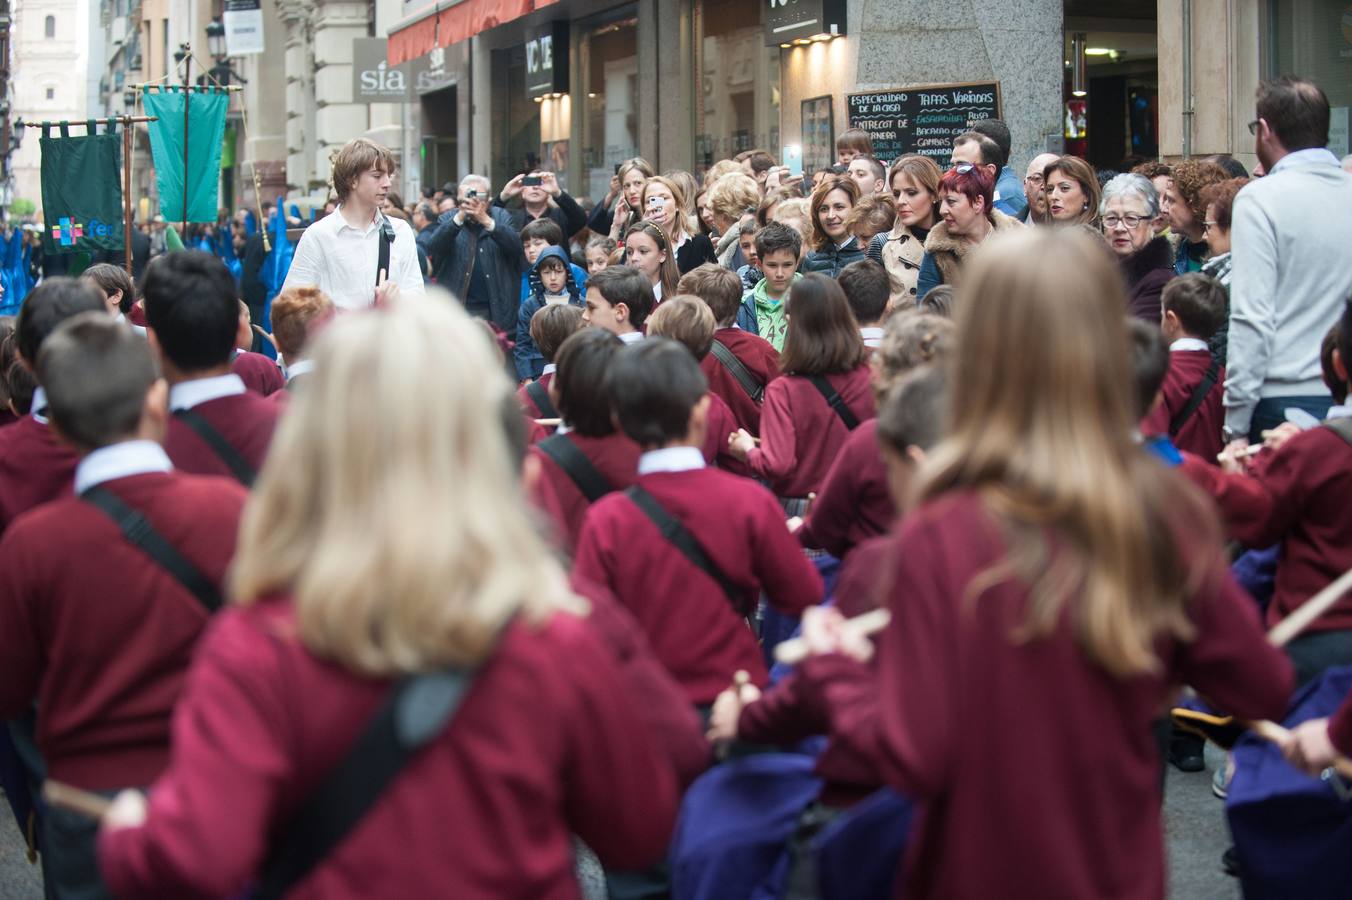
<point x="966" y="195"/>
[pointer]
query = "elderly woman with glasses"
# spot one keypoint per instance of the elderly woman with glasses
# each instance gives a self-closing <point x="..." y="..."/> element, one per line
<point x="1127" y="212"/>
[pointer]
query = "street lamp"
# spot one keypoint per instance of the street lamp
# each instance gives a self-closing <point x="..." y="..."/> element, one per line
<point x="216" y="39"/>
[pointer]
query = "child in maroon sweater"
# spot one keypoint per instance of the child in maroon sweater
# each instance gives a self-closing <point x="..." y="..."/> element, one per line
<point x="801" y="429"/>
<point x="854" y="503"/>
<point x="694" y="613"/>
<point x="588" y="457"/>
<point x="34" y="466"/>
<point x="1035" y="598"/>
<point x="1190" y="410"/>
<point x="549" y="328"/>
<point x="735" y="356"/>
<point x="92" y="627"/>
<point x="217" y="426"/>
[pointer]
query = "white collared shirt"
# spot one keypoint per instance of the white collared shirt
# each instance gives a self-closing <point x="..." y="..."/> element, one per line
<point x="39" y="405"/>
<point x="631" y="337"/>
<point x="1341" y="411"/>
<point x="341" y="260"/>
<point x="872" y="335"/>
<point x="120" y="461"/>
<point x="139" y="329"/>
<point x="549" y="369"/>
<point x="670" y="459"/>
<point x="300" y="367"/>
<point x="188" y="394"/>
<point x="657" y="293"/>
<point x="1187" y="343"/>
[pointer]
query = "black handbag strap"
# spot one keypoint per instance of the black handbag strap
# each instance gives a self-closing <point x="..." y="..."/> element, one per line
<point x="540" y="397"/>
<point x="754" y="389"/>
<point x="138" y="531"/>
<point x="680" y="537"/>
<point x="566" y="455"/>
<point x="386" y="239"/>
<point x="1199" y="393"/>
<point x="233" y="459"/>
<point x="1341" y="426"/>
<point x="415" y="711"/>
<point x="834" y="400"/>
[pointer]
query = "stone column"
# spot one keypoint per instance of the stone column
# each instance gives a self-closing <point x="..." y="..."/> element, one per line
<point x="337" y="119"/>
<point x="298" y="91"/>
<point x="264" y="151"/>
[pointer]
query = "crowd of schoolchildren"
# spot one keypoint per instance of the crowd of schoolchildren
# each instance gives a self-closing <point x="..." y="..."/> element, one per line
<point x="430" y="610"/>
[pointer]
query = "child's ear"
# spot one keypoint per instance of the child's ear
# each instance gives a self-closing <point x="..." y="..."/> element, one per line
<point x="1339" y="366"/>
<point x="621" y="311"/>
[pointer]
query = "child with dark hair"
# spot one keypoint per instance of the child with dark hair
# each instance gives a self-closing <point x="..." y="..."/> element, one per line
<point x="34" y="466"/>
<point x="94" y="628"/>
<point x="260" y="373"/>
<point x="779" y="247"/>
<point x="693" y="614"/>
<point x="217" y="427"/>
<point x="687" y="320"/>
<point x="867" y="289"/>
<point x="16" y="382"/>
<point x="939" y="301"/>
<point x="619" y="300"/>
<point x="823" y="395"/>
<point x="587" y="458"/>
<point x="551" y="283"/>
<point x="537" y="236"/>
<point x="1191" y="410"/>
<point x="740" y="364"/>
<point x="549" y="328"/>
<point x="116" y="286"/>
<point x="8" y="413"/>
<point x="1149" y="357"/>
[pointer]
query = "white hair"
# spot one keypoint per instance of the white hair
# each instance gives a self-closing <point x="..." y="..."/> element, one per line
<point x="1131" y="185"/>
<point x="475" y="179"/>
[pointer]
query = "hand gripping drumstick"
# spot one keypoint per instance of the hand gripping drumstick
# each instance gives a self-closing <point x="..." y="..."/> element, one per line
<point x="85" y="803"/>
<point x="795" y="650"/>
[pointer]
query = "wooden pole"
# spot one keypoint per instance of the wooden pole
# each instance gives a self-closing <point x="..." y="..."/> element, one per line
<point x="187" y="95"/>
<point x="126" y="196"/>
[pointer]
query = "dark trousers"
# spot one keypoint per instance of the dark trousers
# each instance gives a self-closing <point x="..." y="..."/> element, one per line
<point x="1311" y="654"/>
<point x="1271" y="412"/>
<point x="69" y="855"/>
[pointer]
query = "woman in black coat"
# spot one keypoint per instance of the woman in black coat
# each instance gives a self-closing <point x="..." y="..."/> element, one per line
<point x="833" y="247"/>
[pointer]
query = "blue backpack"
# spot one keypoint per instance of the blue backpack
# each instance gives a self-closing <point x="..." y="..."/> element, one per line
<point x="1293" y="833"/>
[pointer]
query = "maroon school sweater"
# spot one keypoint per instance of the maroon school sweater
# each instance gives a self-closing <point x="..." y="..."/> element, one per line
<point x="1299" y="498"/>
<point x="614" y="456"/>
<point x="246" y="421"/>
<point x="34" y="468"/>
<point x="259" y="373"/>
<point x="689" y="620"/>
<point x="100" y="634"/>
<point x="721" y="425"/>
<point x="981" y="728"/>
<point x="546" y="744"/>
<point x="854" y="503"/>
<point x="801" y="434"/>
<point x="761" y="360"/>
<point x="1201" y="433"/>
<point x="530" y="406"/>
<point x="787" y="713"/>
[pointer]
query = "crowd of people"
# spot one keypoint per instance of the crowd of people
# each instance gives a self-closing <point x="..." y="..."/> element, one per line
<point x="547" y="559"/>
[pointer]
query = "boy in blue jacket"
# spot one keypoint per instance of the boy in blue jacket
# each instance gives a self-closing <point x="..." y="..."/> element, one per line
<point x="551" y="281"/>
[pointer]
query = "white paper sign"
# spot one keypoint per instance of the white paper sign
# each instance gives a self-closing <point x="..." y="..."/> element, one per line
<point x="243" y="20"/>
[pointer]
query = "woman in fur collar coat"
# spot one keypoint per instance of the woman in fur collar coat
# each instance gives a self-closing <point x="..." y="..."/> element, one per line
<point x="965" y="196"/>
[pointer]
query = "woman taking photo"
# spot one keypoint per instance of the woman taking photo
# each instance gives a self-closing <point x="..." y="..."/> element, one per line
<point x="663" y="204"/>
<point x="965" y="198"/>
<point x="801" y="430"/>
<point x="1130" y="206"/>
<point x="914" y="181"/>
<point x="1055" y="576"/>
<point x="833" y="247"/>
<point x="616" y="219"/>
<point x="646" y="248"/>
<point x="1072" y="191"/>
<point x="387" y="538"/>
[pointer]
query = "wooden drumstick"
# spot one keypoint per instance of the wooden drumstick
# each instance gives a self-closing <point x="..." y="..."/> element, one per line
<point x="85" y="803"/>
<point x="549" y="423"/>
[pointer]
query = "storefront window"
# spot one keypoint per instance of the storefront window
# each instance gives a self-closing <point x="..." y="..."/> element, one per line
<point x="610" y="94"/>
<point x="516" y="130"/>
<point x="1313" y="38"/>
<point x="737" y="105"/>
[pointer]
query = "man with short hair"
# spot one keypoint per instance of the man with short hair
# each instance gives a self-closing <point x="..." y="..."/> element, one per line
<point x="541" y="198"/>
<point x="1289" y="280"/>
<point x="869" y="175"/>
<point x="1034" y="187"/>
<point x="479" y="255"/>
<point x="341" y="253"/>
<point x="1008" y="190"/>
<point x="424" y="225"/>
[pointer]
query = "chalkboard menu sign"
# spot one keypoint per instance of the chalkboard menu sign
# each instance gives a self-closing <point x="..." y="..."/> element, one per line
<point x="922" y="119"/>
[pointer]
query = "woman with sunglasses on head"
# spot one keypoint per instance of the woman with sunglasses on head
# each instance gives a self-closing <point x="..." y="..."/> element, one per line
<point x="1130" y="205"/>
<point x="914" y="181"/>
<point x="833" y="246"/>
<point x="966" y="198"/>
<point x="663" y="203"/>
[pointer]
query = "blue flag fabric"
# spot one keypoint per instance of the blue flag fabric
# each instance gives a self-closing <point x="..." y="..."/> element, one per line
<point x="205" y="132"/>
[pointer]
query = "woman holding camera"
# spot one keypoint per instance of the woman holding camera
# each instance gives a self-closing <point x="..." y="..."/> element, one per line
<point x="664" y="206"/>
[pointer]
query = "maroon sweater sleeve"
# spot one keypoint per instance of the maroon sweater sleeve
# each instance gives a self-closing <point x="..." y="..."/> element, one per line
<point x="20" y="641"/>
<point x="779" y="717"/>
<point x="1340" y="727"/>
<point x="827" y="526"/>
<point x="1258" y="511"/>
<point x="792" y="583"/>
<point x="777" y="454"/>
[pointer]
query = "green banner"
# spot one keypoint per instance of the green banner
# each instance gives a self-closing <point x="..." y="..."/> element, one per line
<point x="81" y="191"/>
<point x="205" y="127"/>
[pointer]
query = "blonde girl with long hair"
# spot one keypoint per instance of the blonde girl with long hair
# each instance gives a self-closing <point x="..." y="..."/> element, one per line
<point x="664" y="205"/>
<point x="1053" y="588"/>
<point x="387" y="538"/>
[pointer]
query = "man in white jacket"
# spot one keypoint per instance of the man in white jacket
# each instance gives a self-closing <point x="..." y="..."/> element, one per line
<point x="1291" y="273"/>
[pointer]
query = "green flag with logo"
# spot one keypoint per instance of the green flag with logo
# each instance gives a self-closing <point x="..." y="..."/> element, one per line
<point x="198" y="175"/>
<point x="81" y="190"/>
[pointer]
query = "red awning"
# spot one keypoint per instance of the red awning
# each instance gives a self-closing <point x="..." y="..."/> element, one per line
<point x="442" y="27"/>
